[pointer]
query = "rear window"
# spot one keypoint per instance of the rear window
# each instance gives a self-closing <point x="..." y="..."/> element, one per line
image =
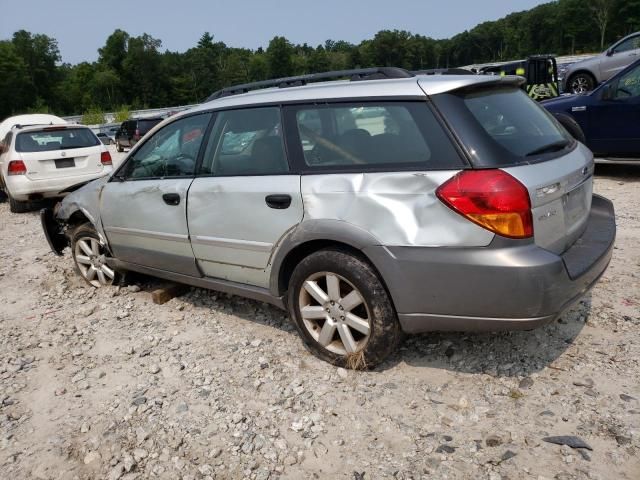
<point x="502" y="127"/>
<point x="514" y="121"/>
<point x="48" y="140"/>
<point x="370" y="135"/>
<point x="146" y="125"/>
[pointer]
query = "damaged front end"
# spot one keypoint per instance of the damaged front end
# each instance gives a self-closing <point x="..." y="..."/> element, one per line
<point x="53" y="231"/>
<point x="80" y="206"/>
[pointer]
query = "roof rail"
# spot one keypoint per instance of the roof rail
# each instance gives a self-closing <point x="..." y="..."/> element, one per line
<point x="375" y="73"/>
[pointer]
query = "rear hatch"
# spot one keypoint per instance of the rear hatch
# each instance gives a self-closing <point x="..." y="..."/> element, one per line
<point x="57" y="152"/>
<point x="146" y="124"/>
<point x="499" y="126"/>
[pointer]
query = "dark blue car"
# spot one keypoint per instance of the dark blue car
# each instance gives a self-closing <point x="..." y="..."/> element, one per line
<point x="609" y="116"/>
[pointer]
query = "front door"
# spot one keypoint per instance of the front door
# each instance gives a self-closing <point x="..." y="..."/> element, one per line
<point x="621" y="56"/>
<point x="244" y="199"/>
<point x="616" y="121"/>
<point x="144" y="205"/>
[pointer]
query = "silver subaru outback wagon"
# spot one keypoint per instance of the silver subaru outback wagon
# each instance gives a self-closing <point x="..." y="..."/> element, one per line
<point x="367" y="203"/>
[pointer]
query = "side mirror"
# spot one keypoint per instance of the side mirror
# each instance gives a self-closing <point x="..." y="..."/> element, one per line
<point x="607" y="92"/>
<point x="609" y="52"/>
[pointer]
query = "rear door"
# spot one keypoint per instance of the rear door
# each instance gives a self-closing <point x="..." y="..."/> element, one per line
<point x="616" y="120"/>
<point x="144" y="205"/>
<point x="245" y="199"/>
<point x="57" y="152"/>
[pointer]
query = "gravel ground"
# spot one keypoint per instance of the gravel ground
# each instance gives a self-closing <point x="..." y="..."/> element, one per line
<point x="106" y="384"/>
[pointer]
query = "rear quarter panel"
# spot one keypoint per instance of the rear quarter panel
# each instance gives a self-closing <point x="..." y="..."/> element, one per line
<point x="398" y="209"/>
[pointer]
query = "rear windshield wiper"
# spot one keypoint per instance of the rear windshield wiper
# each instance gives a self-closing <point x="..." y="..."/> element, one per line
<point x="551" y="147"/>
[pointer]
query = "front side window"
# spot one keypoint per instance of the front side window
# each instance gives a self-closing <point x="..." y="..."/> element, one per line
<point x="629" y="84"/>
<point x="246" y="142"/>
<point x="370" y="135"/>
<point x="50" y="139"/>
<point x="171" y="151"/>
<point x="632" y="43"/>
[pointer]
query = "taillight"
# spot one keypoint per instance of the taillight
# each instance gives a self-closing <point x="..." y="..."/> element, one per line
<point x="16" y="167"/>
<point x="491" y="198"/>
<point x="105" y="158"/>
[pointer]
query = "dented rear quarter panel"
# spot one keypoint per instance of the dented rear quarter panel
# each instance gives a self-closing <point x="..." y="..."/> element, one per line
<point x="397" y="209"/>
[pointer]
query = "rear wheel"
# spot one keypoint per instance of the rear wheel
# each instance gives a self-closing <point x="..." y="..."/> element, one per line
<point x="16" y="206"/>
<point x="581" y="83"/>
<point x="90" y="257"/>
<point x="342" y="310"/>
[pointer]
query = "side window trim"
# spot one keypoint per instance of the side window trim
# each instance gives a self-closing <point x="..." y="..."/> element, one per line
<point x="117" y="177"/>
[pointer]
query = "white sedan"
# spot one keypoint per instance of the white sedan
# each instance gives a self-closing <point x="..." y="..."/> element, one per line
<point x="46" y="161"/>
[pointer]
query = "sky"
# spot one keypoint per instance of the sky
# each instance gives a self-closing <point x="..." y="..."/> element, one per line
<point x="82" y="26"/>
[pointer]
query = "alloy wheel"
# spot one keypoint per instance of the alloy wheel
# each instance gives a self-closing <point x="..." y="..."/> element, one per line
<point x="91" y="258"/>
<point x="580" y="84"/>
<point x="335" y="313"/>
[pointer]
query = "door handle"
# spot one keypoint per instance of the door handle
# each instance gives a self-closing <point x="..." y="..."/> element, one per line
<point x="171" y="199"/>
<point x="279" y="202"/>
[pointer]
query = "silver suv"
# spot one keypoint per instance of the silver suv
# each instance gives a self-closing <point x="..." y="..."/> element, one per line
<point x="366" y="207"/>
<point x="584" y="76"/>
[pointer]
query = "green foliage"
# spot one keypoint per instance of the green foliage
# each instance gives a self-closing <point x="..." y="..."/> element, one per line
<point x="15" y="83"/>
<point x="39" y="107"/>
<point x="279" y="57"/>
<point x="133" y="71"/>
<point x="93" y="116"/>
<point x="122" y="113"/>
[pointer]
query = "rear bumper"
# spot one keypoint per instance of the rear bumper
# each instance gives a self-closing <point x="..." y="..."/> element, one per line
<point x="509" y="285"/>
<point x="21" y="187"/>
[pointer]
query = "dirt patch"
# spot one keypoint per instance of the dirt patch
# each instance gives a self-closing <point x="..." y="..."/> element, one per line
<point x="105" y="384"/>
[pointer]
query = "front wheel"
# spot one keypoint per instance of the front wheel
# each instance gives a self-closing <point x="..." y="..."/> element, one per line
<point x="342" y="310"/>
<point x="90" y="257"/>
<point x="581" y="83"/>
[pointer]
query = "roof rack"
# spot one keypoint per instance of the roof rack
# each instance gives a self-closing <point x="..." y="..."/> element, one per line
<point x="376" y="73"/>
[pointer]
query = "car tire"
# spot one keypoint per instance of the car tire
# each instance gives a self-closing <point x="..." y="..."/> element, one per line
<point x="581" y="82"/>
<point x="119" y="147"/>
<point x="342" y="310"/>
<point x="17" y="206"/>
<point x="571" y="126"/>
<point x="89" y="257"/>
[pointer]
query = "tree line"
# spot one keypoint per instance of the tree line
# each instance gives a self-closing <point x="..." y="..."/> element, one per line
<point x="133" y="72"/>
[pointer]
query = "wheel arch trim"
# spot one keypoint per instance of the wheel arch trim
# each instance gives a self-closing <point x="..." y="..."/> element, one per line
<point x="317" y="231"/>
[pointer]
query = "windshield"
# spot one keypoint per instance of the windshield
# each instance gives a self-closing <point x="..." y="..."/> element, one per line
<point x="48" y="140"/>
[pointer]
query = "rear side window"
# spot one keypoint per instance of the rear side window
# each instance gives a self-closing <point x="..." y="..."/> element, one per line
<point x="502" y="127"/>
<point x="372" y="135"/>
<point x="48" y="140"/>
